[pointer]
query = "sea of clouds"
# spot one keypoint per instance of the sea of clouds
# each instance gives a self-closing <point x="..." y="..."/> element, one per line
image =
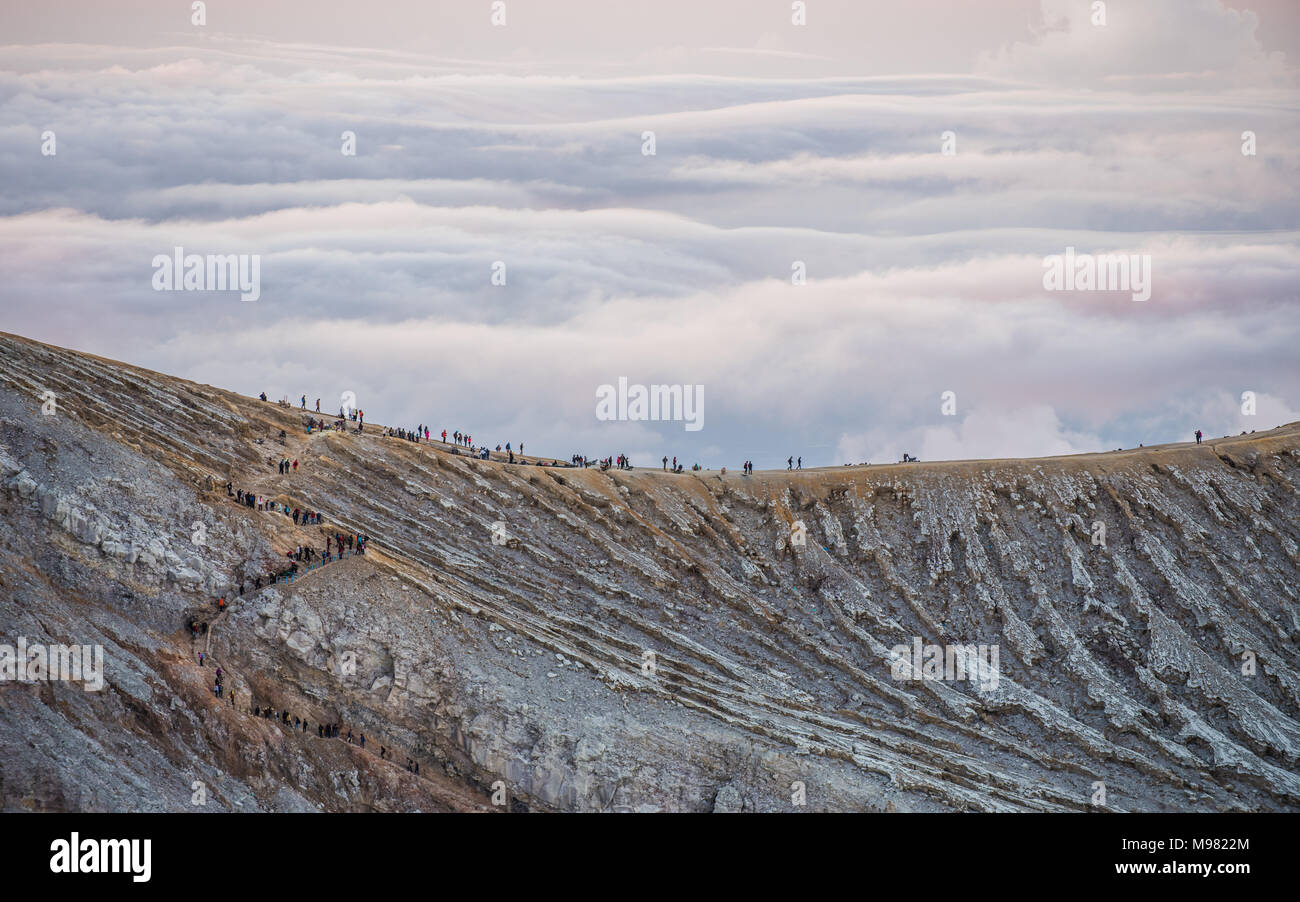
<point x="923" y="270"/>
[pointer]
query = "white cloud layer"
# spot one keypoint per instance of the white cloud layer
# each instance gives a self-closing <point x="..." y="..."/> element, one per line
<point x="924" y="270"/>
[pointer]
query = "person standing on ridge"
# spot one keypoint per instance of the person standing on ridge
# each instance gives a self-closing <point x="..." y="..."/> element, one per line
<point x="318" y="405"/>
<point x="1198" y="436"/>
<point x="800" y="467"/>
<point x="665" y="463"/>
<point x="789" y="462"/>
<point x="304" y="402"/>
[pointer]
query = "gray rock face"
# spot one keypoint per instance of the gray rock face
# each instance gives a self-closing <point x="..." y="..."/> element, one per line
<point x="640" y="641"/>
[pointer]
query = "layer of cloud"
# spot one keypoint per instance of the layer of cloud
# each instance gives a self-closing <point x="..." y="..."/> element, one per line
<point x="923" y="269"/>
<point x="1155" y="44"/>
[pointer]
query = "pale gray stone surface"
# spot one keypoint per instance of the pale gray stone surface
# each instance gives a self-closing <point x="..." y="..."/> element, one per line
<point x="526" y="662"/>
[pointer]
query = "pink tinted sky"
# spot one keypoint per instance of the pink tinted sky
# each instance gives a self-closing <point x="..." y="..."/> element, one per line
<point x="523" y="144"/>
<point x="852" y="36"/>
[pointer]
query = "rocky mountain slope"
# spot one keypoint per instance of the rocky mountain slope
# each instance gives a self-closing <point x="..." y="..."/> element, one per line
<point x="565" y="639"/>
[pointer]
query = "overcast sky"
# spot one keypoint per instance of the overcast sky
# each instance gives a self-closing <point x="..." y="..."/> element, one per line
<point x="776" y="144"/>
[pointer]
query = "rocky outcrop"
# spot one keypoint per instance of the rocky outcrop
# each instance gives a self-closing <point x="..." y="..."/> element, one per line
<point x="635" y="641"/>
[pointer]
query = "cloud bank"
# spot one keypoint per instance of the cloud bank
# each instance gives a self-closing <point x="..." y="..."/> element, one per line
<point x="801" y="245"/>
